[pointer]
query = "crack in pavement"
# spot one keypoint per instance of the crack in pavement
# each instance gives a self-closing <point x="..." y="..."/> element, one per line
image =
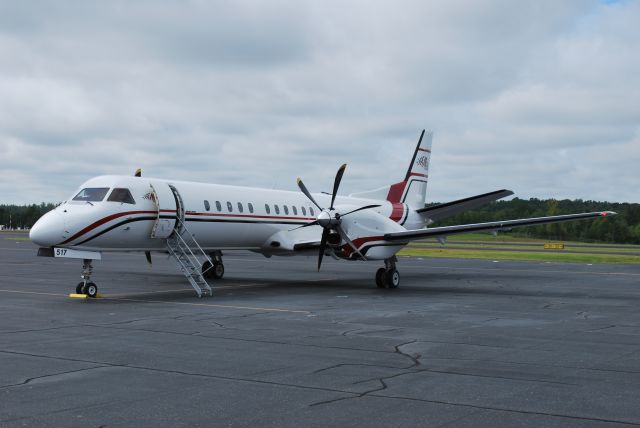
<point x="31" y="379"/>
<point x="178" y="372"/>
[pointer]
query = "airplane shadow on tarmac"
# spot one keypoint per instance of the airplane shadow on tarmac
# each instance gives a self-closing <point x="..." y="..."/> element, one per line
<point x="168" y="287"/>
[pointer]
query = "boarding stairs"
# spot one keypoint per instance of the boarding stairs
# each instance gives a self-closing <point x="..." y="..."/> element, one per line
<point x="184" y="248"/>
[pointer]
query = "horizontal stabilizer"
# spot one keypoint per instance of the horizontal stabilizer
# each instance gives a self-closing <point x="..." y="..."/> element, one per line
<point x="449" y="209"/>
<point x="410" y="235"/>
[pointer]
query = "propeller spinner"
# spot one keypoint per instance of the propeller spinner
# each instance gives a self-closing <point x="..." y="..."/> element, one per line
<point x="329" y="218"/>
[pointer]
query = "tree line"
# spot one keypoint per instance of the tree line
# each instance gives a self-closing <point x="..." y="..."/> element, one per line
<point x="622" y="229"/>
<point x="22" y="216"/>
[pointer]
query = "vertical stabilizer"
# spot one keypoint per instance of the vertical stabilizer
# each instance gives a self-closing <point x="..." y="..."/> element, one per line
<point x="413" y="189"/>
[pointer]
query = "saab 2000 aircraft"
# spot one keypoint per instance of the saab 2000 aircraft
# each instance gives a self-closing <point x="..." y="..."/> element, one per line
<point x="195" y="222"/>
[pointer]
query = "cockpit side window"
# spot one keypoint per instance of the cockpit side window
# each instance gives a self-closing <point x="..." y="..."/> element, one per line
<point x="121" y="195"/>
<point x="91" y="194"/>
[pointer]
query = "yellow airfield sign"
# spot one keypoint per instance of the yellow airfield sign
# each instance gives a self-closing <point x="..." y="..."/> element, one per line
<point x="554" y="246"/>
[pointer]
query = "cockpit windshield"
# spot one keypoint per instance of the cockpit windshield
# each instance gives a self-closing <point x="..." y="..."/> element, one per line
<point x="91" y="194"/>
<point x="121" y="195"/>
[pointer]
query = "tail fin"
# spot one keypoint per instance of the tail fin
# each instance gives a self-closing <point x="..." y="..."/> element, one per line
<point x="412" y="190"/>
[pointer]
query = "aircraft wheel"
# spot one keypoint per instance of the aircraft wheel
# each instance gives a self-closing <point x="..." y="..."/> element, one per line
<point x="79" y="288"/>
<point x="206" y="269"/>
<point x="218" y="270"/>
<point x="91" y="289"/>
<point x="392" y="278"/>
<point x="380" y="280"/>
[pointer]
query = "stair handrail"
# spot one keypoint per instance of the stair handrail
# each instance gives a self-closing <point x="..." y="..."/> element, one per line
<point x="185" y="229"/>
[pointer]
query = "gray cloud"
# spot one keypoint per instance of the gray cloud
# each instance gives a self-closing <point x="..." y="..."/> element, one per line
<point x="542" y="98"/>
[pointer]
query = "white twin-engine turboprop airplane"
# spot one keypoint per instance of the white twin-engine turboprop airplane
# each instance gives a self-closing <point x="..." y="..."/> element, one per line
<point x="195" y="222"/>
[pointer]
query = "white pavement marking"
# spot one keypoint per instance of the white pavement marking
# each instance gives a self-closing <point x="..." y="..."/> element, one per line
<point x="252" y="308"/>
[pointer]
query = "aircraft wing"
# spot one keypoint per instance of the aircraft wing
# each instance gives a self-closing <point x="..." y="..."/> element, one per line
<point x="440" y="211"/>
<point x="411" y="235"/>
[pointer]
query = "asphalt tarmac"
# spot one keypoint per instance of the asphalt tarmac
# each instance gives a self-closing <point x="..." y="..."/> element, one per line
<point x="460" y="343"/>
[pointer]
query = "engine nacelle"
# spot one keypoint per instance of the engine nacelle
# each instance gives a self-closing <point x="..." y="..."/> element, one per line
<point x="367" y="229"/>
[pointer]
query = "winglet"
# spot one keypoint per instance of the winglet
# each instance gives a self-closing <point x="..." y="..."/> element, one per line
<point x="138" y="173"/>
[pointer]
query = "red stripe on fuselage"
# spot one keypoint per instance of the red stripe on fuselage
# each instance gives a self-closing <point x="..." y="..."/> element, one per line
<point x="103" y="221"/>
<point x="249" y="216"/>
<point x="396" y="191"/>
<point x="118" y="215"/>
<point x="397" y="212"/>
<point x="359" y="242"/>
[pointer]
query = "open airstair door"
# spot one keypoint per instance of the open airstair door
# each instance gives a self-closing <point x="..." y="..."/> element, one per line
<point x="169" y="207"/>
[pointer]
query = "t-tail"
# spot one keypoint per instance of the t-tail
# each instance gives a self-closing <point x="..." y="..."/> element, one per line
<point x="413" y="189"/>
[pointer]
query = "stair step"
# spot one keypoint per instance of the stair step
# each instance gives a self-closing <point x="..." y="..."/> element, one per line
<point x="186" y="256"/>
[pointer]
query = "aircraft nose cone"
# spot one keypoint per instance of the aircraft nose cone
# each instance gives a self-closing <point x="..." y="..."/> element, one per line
<point x="44" y="233"/>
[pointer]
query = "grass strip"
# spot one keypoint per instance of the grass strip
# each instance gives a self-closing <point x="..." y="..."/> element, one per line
<point x="510" y="255"/>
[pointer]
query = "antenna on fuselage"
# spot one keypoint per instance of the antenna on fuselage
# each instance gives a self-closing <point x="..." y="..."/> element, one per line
<point x="138" y="173"/>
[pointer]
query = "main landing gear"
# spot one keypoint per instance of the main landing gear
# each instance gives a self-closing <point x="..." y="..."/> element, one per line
<point x="388" y="276"/>
<point x="215" y="270"/>
<point x="86" y="286"/>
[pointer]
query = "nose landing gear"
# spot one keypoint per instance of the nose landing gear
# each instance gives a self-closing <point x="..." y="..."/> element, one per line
<point x="388" y="276"/>
<point x="87" y="287"/>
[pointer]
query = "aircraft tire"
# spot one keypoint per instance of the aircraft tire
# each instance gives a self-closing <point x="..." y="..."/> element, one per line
<point x="91" y="289"/>
<point x="218" y="271"/>
<point x="392" y="278"/>
<point x="206" y="272"/>
<point x="380" y="279"/>
<point x="79" y="288"/>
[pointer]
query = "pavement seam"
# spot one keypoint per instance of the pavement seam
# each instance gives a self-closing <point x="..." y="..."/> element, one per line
<point x="31" y="379"/>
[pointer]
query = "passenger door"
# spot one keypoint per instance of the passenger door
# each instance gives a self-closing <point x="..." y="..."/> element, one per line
<point x="166" y="207"/>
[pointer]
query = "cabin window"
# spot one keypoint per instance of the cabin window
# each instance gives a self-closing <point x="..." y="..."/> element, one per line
<point x="277" y="208"/>
<point x="218" y="206"/>
<point x="206" y="205"/>
<point x="304" y="211"/>
<point x="229" y="207"/>
<point x="91" y="194"/>
<point x="311" y="211"/>
<point x="286" y="209"/>
<point x="250" y="205"/>
<point x="240" y="209"/>
<point x="121" y="195"/>
<point x="295" y="210"/>
<point x="267" y="209"/>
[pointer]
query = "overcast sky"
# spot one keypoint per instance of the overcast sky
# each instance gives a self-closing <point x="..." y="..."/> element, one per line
<point x="539" y="97"/>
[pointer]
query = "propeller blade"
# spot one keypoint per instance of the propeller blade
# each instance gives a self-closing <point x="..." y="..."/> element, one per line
<point x="313" y="223"/>
<point x="323" y="245"/>
<point x="345" y="237"/>
<point x="306" y="192"/>
<point x="147" y="254"/>
<point x="360" y="209"/>
<point x="336" y="183"/>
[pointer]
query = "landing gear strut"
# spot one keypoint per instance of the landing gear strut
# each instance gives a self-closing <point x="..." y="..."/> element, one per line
<point x="388" y="276"/>
<point x="215" y="271"/>
<point x="86" y="286"/>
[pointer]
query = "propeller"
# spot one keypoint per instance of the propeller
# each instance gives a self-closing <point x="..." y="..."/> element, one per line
<point x="330" y="219"/>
